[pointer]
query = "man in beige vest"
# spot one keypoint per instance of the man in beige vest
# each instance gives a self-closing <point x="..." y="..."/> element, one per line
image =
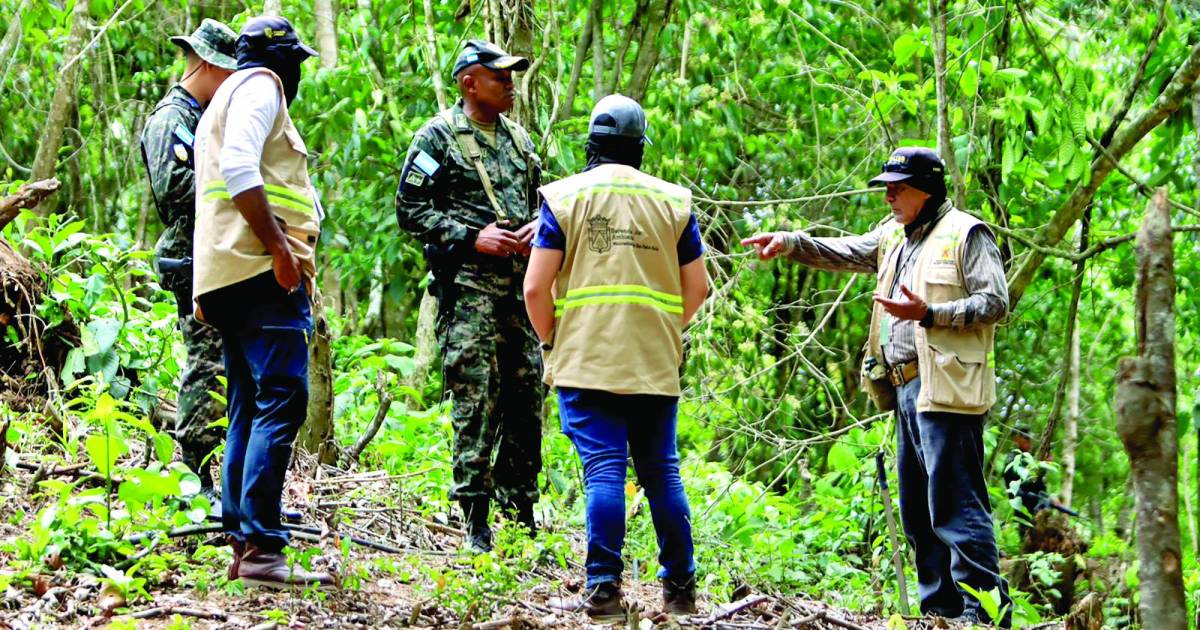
<point x="616" y="273"/>
<point x="940" y="292"/>
<point x="257" y="223"/>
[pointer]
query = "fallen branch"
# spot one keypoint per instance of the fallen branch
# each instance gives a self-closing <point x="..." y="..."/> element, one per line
<point x="775" y="202"/>
<point x="736" y="607"/>
<point x="495" y="625"/>
<point x="163" y="611"/>
<point x="386" y="397"/>
<point x="302" y="532"/>
<point x="28" y="196"/>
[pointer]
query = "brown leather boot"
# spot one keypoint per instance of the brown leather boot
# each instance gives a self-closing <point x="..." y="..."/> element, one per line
<point x="239" y="549"/>
<point x="266" y="569"/>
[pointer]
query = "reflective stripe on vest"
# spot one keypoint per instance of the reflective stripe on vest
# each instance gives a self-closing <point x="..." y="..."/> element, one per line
<point x="619" y="294"/>
<point x="625" y="188"/>
<point x="277" y="195"/>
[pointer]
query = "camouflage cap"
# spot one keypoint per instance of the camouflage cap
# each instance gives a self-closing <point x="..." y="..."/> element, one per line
<point x="213" y="42"/>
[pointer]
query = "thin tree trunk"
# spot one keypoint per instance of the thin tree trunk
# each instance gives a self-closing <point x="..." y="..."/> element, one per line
<point x="64" y="101"/>
<point x="8" y="45"/>
<point x="598" y="50"/>
<point x="431" y="56"/>
<point x="373" y="321"/>
<point x="648" y="50"/>
<point x="521" y="27"/>
<point x="316" y="436"/>
<point x="326" y="13"/>
<point x="582" y="45"/>
<point x="273" y="7"/>
<point x="937" y="20"/>
<point x="425" y="341"/>
<point x="1071" y="427"/>
<point x="632" y="30"/>
<point x="1145" y="406"/>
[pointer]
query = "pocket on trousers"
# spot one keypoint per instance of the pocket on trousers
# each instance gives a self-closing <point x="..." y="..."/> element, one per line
<point x="957" y="379"/>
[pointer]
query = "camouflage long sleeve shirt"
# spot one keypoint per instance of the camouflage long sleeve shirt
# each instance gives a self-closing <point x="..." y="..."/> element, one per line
<point x="441" y="199"/>
<point x="983" y="275"/>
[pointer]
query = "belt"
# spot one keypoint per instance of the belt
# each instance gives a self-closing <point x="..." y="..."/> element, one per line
<point x="903" y="373"/>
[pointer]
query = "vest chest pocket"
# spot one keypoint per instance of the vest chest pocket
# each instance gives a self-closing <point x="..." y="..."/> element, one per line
<point x="942" y="284"/>
<point x="294" y="140"/>
<point x="958" y="378"/>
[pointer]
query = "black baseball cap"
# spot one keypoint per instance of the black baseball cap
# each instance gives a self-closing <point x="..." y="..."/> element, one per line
<point x="916" y="163"/>
<point x="271" y="32"/>
<point x="488" y="55"/>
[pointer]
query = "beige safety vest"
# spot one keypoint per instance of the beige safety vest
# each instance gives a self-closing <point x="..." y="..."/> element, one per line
<point x="226" y="249"/>
<point x="956" y="367"/>
<point x="618" y="296"/>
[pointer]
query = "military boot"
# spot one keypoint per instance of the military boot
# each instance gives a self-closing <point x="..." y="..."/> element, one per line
<point x="679" y="596"/>
<point x="475" y="515"/>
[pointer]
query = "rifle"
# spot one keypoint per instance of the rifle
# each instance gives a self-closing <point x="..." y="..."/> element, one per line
<point x="175" y="265"/>
<point x="444" y="262"/>
<point x="1044" y="502"/>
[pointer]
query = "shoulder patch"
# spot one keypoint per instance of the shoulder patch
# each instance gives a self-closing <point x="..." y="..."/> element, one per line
<point x="415" y="178"/>
<point x="426" y="164"/>
<point x="184" y="135"/>
<point x="181" y="153"/>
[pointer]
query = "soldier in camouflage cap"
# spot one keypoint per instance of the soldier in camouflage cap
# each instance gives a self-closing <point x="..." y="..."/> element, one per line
<point x="167" y="152"/>
<point x="468" y="192"/>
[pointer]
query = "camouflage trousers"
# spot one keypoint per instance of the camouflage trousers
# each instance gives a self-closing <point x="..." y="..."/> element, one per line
<point x="196" y="408"/>
<point x="492" y="370"/>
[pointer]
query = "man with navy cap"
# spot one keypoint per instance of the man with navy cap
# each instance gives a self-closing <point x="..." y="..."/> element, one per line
<point x="167" y="144"/>
<point x="617" y="272"/>
<point x="468" y="193"/>
<point x="941" y="290"/>
<point x="258" y="219"/>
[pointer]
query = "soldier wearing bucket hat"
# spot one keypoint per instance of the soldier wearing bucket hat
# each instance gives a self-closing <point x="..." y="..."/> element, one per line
<point x="468" y="193"/>
<point x="941" y="290"/>
<point x="168" y="154"/>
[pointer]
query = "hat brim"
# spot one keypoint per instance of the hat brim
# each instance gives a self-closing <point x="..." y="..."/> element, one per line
<point x="887" y="178"/>
<point x="205" y="52"/>
<point x="509" y="62"/>
<point x="308" y="50"/>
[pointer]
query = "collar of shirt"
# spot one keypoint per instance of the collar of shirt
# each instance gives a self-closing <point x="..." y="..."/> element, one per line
<point x="920" y="233"/>
<point x="186" y="96"/>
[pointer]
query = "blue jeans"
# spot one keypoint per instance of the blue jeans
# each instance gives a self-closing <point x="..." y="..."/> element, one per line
<point x="265" y="332"/>
<point x="944" y="505"/>
<point x="601" y="425"/>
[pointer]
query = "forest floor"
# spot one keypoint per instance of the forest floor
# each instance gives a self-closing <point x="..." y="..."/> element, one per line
<point x="424" y="579"/>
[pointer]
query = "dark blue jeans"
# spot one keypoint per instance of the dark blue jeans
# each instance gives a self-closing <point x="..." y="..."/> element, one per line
<point x="944" y="506"/>
<point x="602" y="425"/>
<point x="265" y="332"/>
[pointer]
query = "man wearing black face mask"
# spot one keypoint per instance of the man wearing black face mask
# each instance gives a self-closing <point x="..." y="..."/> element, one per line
<point x="929" y="358"/>
<point x="257" y="223"/>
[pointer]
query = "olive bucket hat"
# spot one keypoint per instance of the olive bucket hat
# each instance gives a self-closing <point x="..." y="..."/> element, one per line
<point x="213" y="42"/>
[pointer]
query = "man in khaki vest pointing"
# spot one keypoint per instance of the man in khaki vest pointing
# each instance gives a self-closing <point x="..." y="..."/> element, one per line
<point x="257" y="223"/>
<point x="941" y="290"/>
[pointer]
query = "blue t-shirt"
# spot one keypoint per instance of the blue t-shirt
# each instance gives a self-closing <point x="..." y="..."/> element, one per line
<point x="550" y="236"/>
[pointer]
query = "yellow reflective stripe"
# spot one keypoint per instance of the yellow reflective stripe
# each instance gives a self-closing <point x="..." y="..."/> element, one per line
<point x="216" y="194"/>
<point x="287" y="192"/>
<point x="623" y="288"/>
<point x="563" y="305"/>
<point x="276" y="195"/>
<point x="626" y="188"/>
<point x="288" y="203"/>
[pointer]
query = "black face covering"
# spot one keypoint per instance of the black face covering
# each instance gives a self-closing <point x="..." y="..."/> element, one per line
<point x="615" y="150"/>
<point x="284" y="60"/>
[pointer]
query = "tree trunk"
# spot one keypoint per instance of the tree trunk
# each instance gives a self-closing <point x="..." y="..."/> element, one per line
<point x="431" y="56"/>
<point x="1145" y="406"/>
<point x="937" y="20"/>
<point x="648" y="50"/>
<point x="598" y="50"/>
<point x="273" y="7"/>
<point x="1071" y="428"/>
<point x="521" y="23"/>
<point x="582" y="45"/>
<point x="326" y="13"/>
<point x="8" y="45"/>
<point x="62" y="105"/>
<point x="425" y="342"/>
<point x="316" y="436"/>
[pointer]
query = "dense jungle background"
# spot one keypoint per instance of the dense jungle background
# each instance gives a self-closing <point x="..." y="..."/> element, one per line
<point x="1058" y="120"/>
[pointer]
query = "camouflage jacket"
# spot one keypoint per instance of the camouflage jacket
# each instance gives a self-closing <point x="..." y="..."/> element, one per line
<point x="167" y="153"/>
<point x="441" y="200"/>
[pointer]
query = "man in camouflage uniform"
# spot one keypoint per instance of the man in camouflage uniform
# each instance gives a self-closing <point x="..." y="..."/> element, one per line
<point x="468" y="192"/>
<point x="168" y="155"/>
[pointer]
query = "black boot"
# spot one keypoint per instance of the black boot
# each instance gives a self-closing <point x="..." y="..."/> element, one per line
<point x="475" y="515"/>
<point x="521" y="511"/>
<point x="679" y="596"/>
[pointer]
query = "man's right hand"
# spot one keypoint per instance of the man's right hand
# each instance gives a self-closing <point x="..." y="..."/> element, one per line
<point x="497" y="241"/>
<point x="768" y="245"/>
<point x="287" y="269"/>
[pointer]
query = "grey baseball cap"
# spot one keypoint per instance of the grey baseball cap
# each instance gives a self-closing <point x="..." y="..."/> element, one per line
<point x="618" y="115"/>
<point x="213" y="42"/>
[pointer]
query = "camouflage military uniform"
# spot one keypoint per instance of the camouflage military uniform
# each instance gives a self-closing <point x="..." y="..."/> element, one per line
<point x="167" y="151"/>
<point x="491" y="364"/>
